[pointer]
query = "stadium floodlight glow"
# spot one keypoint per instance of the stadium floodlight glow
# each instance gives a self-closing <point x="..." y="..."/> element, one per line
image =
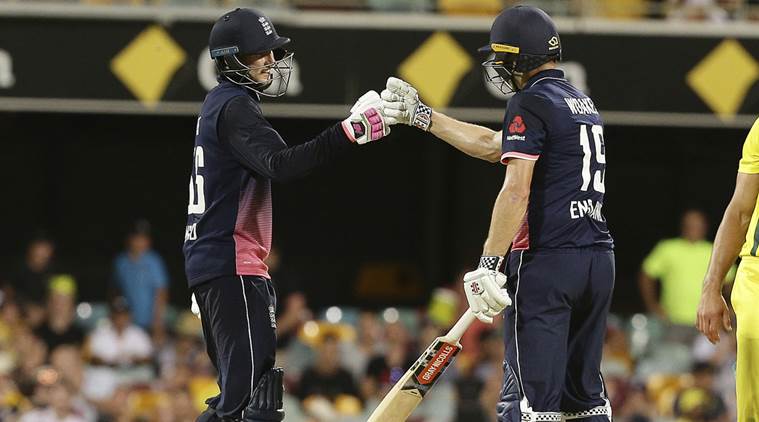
<point x="84" y="310"/>
<point x="391" y="315"/>
<point x="334" y="314"/>
<point x="311" y="329"/>
<point x="639" y="321"/>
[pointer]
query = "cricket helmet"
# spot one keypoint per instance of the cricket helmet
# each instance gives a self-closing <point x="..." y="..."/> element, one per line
<point x="522" y="38"/>
<point x="243" y="32"/>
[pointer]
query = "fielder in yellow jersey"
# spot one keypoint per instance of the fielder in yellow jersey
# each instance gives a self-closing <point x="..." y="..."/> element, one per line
<point x="738" y="234"/>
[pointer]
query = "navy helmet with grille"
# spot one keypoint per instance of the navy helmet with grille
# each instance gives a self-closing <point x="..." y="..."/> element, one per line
<point x="244" y="32"/>
<point x="522" y="38"/>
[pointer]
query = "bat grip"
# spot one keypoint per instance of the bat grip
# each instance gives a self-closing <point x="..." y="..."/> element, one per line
<point x="458" y="330"/>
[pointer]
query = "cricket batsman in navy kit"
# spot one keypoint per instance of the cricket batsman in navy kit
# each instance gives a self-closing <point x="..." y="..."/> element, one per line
<point x="548" y="212"/>
<point x="237" y="155"/>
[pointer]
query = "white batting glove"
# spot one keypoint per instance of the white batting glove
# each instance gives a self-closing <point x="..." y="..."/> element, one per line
<point x="194" y="307"/>
<point x="483" y="289"/>
<point x="366" y="122"/>
<point x="401" y="104"/>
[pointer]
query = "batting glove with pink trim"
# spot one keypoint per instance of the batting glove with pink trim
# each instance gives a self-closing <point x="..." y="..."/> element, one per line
<point x="366" y="122"/>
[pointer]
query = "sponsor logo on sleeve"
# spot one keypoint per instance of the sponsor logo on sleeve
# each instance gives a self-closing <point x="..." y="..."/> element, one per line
<point x="516" y="129"/>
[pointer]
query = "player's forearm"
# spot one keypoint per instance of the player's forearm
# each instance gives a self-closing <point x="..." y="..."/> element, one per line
<point x="508" y="214"/>
<point x="727" y="245"/>
<point x="272" y="158"/>
<point x="299" y="160"/>
<point x="257" y="146"/>
<point x="473" y="140"/>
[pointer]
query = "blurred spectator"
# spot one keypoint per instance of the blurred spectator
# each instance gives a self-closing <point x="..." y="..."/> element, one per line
<point x="491" y="354"/>
<point x="326" y="388"/>
<point x="140" y="275"/>
<point x="621" y="9"/>
<point x="470" y="7"/>
<point x="292" y="309"/>
<point x="709" y="10"/>
<point x="12" y="402"/>
<point x="59" y="327"/>
<point x="479" y="384"/>
<point x="617" y="360"/>
<point x="187" y="348"/>
<point x="680" y="265"/>
<point x="31" y="354"/>
<point x="119" y="342"/>
<point x="630" y="402"/>
<point x="293" y="312"/>
<point x="58" y="404"/>
<point x="182" y="408"/>
<point x="402" y="5"/>
<point x="117" y="350"/>
<point x="723" y="357"/>
<point x="368" y="344"/>
<point x="698" y="10"/>
<point x="67" y="360"/>
<point x="29" y="284"/>
<point x="67" y="366"/>
<point x="469" y="389"/>
<point x="490" y="396"/>
<point x="186" y="370"/>
<point x="11" y="321"/>
<point x="700" y="402"/>
<point x="444" y="306"/>
<point x="387" y="366"/>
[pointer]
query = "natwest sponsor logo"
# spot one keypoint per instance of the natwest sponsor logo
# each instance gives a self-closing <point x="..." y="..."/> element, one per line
<point x="437" y="363"/>
<point x="517" y="125"/>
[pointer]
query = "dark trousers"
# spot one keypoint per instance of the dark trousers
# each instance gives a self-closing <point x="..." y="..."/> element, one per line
<point x="555" y="332"/>
<point x="237" y="313"/>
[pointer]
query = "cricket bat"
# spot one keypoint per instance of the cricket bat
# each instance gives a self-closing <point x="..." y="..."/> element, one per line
<point x="409" y="391"/>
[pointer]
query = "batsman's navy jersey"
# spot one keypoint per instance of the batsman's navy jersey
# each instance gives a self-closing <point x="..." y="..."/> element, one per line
<point x="237" y="154"/>
<point x="554" y="123"/>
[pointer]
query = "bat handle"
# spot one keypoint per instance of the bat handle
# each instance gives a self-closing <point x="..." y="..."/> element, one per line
<point x="458" y="330"/>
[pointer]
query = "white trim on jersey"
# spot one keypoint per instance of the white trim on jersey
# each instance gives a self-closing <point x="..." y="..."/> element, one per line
<point x="545" y="77"/>
<point x="250" y="339"/>
<point x="516" y="336"/>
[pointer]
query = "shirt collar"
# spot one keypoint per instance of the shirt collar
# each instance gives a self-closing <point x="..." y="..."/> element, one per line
<point x="548" y="73"/>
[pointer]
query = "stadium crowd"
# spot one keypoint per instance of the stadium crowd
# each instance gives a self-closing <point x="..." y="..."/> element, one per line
<point x="698" y="10"/>
<point x="133" y="357"/>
